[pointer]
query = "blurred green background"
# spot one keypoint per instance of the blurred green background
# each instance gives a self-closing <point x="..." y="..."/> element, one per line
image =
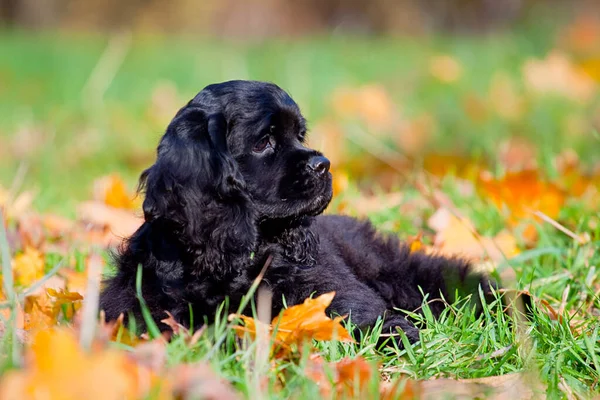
<point x="87" y="88"/>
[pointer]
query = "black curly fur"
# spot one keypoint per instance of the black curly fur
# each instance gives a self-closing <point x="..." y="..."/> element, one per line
<point x="217" y="207"/>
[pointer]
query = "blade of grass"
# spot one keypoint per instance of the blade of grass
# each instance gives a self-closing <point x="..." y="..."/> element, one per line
<point x="9" y="292"/>
<point x="150" y="324"/>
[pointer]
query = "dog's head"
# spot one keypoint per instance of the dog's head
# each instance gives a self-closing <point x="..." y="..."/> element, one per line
<point x="236" y="149"/>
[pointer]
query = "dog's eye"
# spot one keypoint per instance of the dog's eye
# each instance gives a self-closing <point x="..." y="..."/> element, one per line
<point x="263" y="144"/>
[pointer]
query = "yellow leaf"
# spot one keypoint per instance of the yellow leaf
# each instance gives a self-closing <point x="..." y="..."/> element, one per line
<point x="111" y="191"/>
<point x="445" y="68"/>
<point x="28" y="267"/>
<point x="302" y="322"/>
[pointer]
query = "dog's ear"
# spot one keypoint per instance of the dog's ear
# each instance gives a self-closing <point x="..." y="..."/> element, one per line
<point x="196" y="189"/>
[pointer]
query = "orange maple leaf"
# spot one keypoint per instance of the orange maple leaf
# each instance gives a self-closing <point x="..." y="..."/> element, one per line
<point x="522" y="193"/>
<point x="300" y="323"/>
<point x="111" y="190"/>
<point x="41" y="312"/>
<point x="58" y="368"/>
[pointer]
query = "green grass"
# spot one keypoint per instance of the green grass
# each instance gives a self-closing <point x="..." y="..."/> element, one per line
<point x="76" y="139"/>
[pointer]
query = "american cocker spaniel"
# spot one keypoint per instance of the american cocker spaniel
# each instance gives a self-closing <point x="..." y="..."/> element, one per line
<point x="234" y="184"/>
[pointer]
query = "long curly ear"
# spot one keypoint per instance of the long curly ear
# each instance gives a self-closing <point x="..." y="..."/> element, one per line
<point x="196" y="190"/>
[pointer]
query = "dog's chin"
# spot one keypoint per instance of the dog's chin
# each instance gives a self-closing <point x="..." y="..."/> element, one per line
<point x="309" y="204"/>
<point x="319" y="203"/>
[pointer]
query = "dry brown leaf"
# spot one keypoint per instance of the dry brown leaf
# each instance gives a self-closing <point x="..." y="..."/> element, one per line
<point x="455" y="236"/>
<point x="178" y="329"/>
<point x="119" y="223"/>
<point x="300" y="323"/>
<point x="514" y="386"/>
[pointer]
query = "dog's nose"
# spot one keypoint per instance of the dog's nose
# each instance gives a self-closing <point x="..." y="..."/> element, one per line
<point x="319" y="164"/>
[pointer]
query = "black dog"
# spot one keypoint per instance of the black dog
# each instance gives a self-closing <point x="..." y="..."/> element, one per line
<point x="234" y="184"/>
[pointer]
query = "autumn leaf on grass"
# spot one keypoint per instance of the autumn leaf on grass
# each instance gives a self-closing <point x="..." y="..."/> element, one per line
<point x="28" y="267"/>
<point x="111" y="191"/>
<point x="445" y="68"/>
<point x="42" y="311"/>
<point x="504" y="98"/>
<point x="557" y="75"/>
<point x="573" y="178"/>
<point x="521" y="193"/>
<point x="299" y="323"/>
<point x="116" y="331"/>
<point x="57" y="368"/>
<point x="371" y="103"/>
<point x="113" y="224"/>
<point x="451" y="164"/>
<point x="348" y="377"/>
<point x="455" y="236"/>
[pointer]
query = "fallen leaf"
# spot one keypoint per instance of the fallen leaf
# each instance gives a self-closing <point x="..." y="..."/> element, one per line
<point x="178" y="329"/>
<point x="352" y="374"/>
<point x="28" y="267"/>
<point x="452" y="164"/>
<point x="504" y="98"/>
<point x="152" y="355"/>
<point x="115" y="331"/>
<point x="42" y="311"/>
<point x="517" y="154"/>
<point x="58" y="368"/>
<point x="371" y="103"/>
<point x="582" y="35"/>
<point x="349" y="378"/>
<point x="413" y="136"/>
<point x="557" y="75"/>
<point x="300" y="323"/>
<point x="510" y="386"/>
<point x="195" y="381"/>
<point x="521" y="193"/>
<point x="445" y="68"/>
<point x="119" y="223"/>
<point x="456" y="236"/>
<point x="111" y="191"/>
